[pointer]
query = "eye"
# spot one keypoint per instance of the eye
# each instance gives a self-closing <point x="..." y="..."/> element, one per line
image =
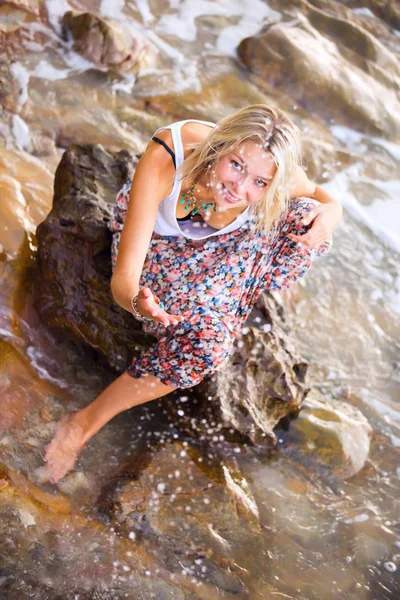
<point x="261" y="183"/>
<point x="236" y="165"/>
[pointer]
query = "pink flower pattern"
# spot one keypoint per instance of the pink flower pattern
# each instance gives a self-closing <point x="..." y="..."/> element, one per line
<point x="214" y="285"/>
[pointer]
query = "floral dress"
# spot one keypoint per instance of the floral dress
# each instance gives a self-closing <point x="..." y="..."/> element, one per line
<point x="213" y="283"/>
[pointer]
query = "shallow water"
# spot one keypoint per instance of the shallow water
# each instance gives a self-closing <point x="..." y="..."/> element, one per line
<point x="319" y="537"/>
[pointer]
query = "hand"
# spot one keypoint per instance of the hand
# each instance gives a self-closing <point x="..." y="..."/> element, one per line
<point x="149" y="308"/>
<point x="324" y="219"/>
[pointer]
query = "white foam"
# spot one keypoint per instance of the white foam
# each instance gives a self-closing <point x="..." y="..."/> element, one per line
<point x="380" y="216"/>
<point x="364" y="12"/>
<point x="7" y="334"/>
<point x="125" y="85"/>
<point x="44" y="70"/>
<point x="358" y="518"/>
<point x="255" y="15"/>
<point x="21" y="133"/>
<point x="21" y="74"/>
<point x="356" y="141"/>
<point x="35" y="355"/>
<point x="56" y="9"/>
<point x="113" y="9"/>
<point x="165" y="47"/>
<point x="183" y="25"/>
<point x="144" y="9"/>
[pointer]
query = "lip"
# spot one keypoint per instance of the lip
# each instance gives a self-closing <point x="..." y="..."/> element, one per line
<point x="230" y="197"/>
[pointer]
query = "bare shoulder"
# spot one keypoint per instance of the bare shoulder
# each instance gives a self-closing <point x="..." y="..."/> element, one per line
<point x="193" y="133"/>
<point x="301" y="185"/>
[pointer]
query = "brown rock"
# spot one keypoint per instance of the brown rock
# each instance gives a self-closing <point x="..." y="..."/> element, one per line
<point x="387" y="10"/>
<point x="31" y="6"/>
<point x="262" y="381"/>
<point x="73" y="279"/>
<point x="11" y="18"/>
<point x="332" y="437"/>
<point x="353" y="87"/>
<point x="104" y="42"/>
<point x="186" y="510"/>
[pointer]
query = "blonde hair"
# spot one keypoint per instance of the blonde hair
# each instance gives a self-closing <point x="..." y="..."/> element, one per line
<point x="275" y="132"/>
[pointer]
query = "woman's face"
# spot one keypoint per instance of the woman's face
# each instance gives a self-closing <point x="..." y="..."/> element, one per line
<point x="240" y="178"/>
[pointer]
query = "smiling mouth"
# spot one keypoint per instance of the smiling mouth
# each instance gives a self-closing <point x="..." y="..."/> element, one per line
<point x="230" y="197"/>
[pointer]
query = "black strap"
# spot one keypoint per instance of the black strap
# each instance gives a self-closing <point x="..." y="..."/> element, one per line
<point x="168" y="149"/>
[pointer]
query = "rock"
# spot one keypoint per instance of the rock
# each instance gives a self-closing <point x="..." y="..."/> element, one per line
<point x="30" y="6"/>
<point x="262" y="381"/>
<point x="344" y="74"/>
<point x="387" y="10"/>
<point x="104" y="42"/>
<point x="187" y="511"/>
<point x="323" y="155"/>
<point x="12" y="19"/>
<point x="333" y="437"/>
<point x="72" y="286"/>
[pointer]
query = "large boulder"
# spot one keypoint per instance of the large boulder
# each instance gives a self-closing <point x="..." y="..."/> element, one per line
<point x="331" y="67"/>
<point x="74" y="269"/>
<point x="104" y="42"/>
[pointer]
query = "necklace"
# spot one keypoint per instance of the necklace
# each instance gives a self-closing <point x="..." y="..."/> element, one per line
<point x="189" y="199"/>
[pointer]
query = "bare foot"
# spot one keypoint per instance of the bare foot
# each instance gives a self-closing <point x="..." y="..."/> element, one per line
<point x="63" y="450"/>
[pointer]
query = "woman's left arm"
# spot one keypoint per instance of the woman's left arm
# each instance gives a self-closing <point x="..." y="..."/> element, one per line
<point x="323" y="219"/>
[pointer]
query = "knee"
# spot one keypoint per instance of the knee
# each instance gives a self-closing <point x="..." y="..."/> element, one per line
<point x="197" y="352"/>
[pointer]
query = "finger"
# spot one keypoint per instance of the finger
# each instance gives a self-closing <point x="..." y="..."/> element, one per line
<point x="309" y="242"/>
<point x="300" y="239"/>
<point x="309" y="217"/>
<point x="145" y="293"/>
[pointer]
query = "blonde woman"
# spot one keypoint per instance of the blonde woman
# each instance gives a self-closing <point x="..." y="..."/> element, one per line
<point x="215" y="214"/>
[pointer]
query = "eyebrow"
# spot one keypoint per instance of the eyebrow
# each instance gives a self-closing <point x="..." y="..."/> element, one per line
<point x="244" y="163"/>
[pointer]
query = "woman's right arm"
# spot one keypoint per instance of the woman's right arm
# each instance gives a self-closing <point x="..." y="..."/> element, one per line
<point x="151" y="183"/>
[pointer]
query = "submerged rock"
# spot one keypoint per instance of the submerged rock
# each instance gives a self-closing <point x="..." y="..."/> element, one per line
<point x="31" y="6"/>
<point x="262" y="381"/>
<point x="331" y="436"/>
<point x="188" y="511"/>
<point x="104" y="42"/>
<point x="12" y="18"/>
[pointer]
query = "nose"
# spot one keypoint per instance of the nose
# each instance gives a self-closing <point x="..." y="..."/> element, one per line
<point x="240" y="184"/>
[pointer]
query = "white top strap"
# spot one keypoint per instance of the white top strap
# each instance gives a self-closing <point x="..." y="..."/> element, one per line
<point x="175" y="129"/>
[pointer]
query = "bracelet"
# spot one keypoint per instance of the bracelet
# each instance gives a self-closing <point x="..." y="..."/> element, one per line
<point x="135" y="309"/>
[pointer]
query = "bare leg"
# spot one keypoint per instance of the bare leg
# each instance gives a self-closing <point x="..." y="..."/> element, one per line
<point x="76" y="429"/>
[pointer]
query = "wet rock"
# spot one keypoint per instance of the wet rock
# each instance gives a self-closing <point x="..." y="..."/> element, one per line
<point x="58" y="553"/>
<point x="331" y="67"/>
<point x="387" y="10"/>
<point x="262" y="381"/>
<point x="12" y="19"/>
<point x="187" y="510"/>
<point x="73" y="280"/>
<point x="331" y="436"/>
<point x="105" y="42"/>
<point x="31" y="6"/>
